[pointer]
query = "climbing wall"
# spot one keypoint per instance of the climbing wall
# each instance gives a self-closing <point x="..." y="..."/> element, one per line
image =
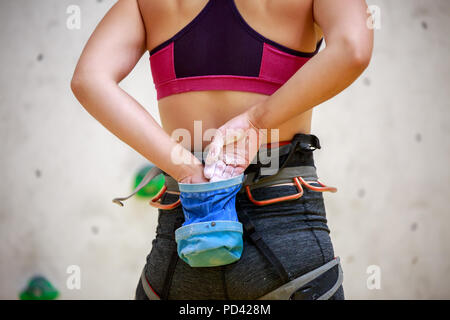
<point x="384" y="145"/>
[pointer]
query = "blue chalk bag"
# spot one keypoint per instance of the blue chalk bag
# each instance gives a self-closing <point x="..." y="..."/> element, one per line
<point x="211" y="234"/>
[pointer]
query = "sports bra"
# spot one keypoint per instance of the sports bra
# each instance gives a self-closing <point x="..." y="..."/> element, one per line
<point x="218" y="50"/>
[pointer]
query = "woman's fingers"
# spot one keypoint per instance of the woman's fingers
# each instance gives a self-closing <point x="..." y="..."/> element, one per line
<point x="215" y="148"/>
<point x="219" y="171"/>
<point x="238" y="171"/>
<point x="214" y="170"/>
<point x="220" y="168"/>
<point x="227" y="154"/>
<point x="229" y="171"/>
<point x="209" y="170"/>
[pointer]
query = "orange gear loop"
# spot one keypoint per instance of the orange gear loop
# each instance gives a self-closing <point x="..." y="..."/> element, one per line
<point x="157" y="204"/>
<point x="298" y="181"/>
<point x="322" y="188"/>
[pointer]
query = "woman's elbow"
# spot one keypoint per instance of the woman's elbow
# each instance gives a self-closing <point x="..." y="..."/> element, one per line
<point x="88" y="80"/>
<point x="76" y="84"/>
<point x="80" y="83"/>
<point x="84" y="83"/>
<point x="359" y="51"/>
<point x="361" y="57"/>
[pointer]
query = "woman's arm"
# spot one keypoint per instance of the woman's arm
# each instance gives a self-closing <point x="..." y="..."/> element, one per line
<point x="348" y="51"/>
<point x="111" y="53"/>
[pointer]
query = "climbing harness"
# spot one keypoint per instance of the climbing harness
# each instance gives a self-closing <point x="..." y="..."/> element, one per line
<point x="306" y="286"/>
<point x="295" y="175"/>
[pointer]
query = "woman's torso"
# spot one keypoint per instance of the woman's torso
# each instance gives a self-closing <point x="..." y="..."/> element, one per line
<point x="288" y="22"/>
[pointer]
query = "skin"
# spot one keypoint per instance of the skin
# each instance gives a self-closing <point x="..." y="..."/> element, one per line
<point x="132" y="27"/>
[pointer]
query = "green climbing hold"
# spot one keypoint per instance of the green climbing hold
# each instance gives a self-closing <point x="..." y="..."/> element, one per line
<point x="153" y="187"/>
<point x="39" y="288"/>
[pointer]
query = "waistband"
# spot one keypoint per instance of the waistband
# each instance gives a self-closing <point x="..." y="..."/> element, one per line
<point x="293" y="159"/>
<point x="290" y="163"/>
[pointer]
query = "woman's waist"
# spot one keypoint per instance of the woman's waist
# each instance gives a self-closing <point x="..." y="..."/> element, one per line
<point x="196" y="135"/>
<point x="192" y="117"/>
<point x="274" y="164"/>
<point x="281" y="184"/>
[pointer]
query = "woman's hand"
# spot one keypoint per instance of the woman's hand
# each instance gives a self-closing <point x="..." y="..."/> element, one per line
<point x="233" y="147"/>
<point x="189" y="169"/>
<point x="194" y="175"/>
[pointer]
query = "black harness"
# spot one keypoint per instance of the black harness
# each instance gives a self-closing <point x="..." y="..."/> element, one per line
<point x="320" y="283"/>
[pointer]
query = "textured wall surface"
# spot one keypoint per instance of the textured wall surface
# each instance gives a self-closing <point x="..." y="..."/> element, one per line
<point x="385" y="146"/>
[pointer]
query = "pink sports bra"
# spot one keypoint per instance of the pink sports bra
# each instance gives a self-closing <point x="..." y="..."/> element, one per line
<point x="218" y="50"/>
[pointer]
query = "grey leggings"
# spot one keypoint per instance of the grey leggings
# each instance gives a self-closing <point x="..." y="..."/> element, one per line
<point x="296" y="232"/>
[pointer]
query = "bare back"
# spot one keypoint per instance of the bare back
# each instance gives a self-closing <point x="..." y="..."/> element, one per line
<point x="288" y="22"/>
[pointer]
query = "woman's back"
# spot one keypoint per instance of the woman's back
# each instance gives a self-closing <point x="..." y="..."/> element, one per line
<point x="243" y="66"/>
<point x="288" y="23"/>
